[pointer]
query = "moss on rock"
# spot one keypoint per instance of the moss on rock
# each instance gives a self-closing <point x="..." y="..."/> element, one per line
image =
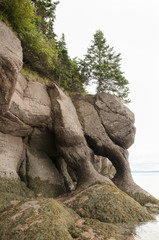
<point x="94" y="229"/>
<point x="37" y="219"/>
<point x="148" y="201"/>
<point x="44" y="188"/>
<point x="12" y="190"/>
<point x="44" y="218"/>
<point x="108" y="204"/>
<point x="143" y="198"/>
<point x="16" y="187"/>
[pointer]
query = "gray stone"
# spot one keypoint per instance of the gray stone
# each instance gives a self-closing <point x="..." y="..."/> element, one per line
<point x="31" y="103"/>
<point x="11" y="152"/>
<point x="116" y="118"/>
<point x="10" y="45"/>
<point x="10" y="64"/>
<point x="108" y="140"/>
<point x="70" y="139"/>
<point x="10" y="124"/>
<point x="64" y="170"/>
<point x="42" y="175"/>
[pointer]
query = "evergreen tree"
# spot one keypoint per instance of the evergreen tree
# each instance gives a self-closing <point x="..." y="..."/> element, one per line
<point x="46" y="10"/>
<point x="102" y="65"/>
<point x="68" y="75"/>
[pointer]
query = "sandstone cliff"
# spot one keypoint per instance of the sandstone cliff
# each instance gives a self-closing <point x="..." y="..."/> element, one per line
<point x="51" y="145"/>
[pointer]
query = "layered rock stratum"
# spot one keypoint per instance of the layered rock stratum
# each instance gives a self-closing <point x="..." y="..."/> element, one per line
<point x="55" y="149"/>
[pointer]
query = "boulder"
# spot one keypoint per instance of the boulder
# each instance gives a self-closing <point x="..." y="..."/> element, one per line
<point x="42" y="175"/>
<point x="116" y="118"/>
<point x="31" y="103"/>
<point x="108" y="204"/>
<point x="37" y="219"/>
<point x="10" y="64"/>
<point x="11" y="153"/>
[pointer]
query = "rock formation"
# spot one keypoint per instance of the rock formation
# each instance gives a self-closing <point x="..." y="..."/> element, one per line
<point x="25" y="114"/>
<point x="51" y="145"/>
<point x="109" y="129"/>
<point x="70" y="140"/>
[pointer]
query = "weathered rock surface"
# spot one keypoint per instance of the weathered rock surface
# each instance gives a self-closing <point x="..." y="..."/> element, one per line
<point x="31" y="103"/>
<point x="115" y="118"/>
<point x="10" y="124"/>
<point x="70" y="184"/>
<point x="29" y="107"/>
<point x="108" y="126"/>
<point x="70" y="139"/>
<point x="42" y="176"/>
<point x="11" y="152"/>
<point x="10" y="65"/>
<point x="104" y="166"/>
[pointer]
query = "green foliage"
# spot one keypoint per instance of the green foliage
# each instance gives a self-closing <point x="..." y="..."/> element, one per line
<point x="29" y="73"/>
<point x="19" y="13"/>
<point x="46" y="10"/>
<point x="38" y="51"/>
<point x="68" y="75"/>
<point x="102" y="64"/>
<point x="33" y="20"/>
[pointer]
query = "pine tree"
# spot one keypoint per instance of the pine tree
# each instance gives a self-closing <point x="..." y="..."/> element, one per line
<point x="102" y="65"/>
<point x="68" y="75"/>
<point x="46" y="10"/>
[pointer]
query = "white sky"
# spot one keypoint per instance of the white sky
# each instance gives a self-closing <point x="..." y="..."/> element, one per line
<point x="132" y="28"/>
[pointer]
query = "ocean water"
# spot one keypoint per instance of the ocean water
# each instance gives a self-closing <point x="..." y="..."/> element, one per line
<point x="148" y="180"/>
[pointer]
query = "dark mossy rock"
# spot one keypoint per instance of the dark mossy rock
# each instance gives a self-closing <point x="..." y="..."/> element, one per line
<point x="24" y="217"/>
<point x="44" y="188"/>
<point x="87" y="229"/>
<point x="143" y="199"/>
<point x="37" y="219"/>
<point x="15" y="186"/>
<point x="108" y="204"/>
<point x="12" y="190"/>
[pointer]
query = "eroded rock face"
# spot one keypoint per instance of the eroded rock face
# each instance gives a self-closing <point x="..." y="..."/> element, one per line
<point x="42" y="176"/>
<point x="116" y="118"/>
<point x="29" y="107"/>
<point x="106" y="114"/>
<point x="108" y="126"/>
<point x="70" y="139"/>
<point x="30" y="102"/>
<point x="25" y="119"/>
<point x="10" y="124"/>
<point x="10" y="65"/>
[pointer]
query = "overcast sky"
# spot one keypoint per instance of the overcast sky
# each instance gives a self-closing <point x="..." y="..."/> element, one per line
<point x="132" y="28"/>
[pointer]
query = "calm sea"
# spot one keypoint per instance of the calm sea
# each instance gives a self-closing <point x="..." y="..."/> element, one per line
<point x="149" y="180"/>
